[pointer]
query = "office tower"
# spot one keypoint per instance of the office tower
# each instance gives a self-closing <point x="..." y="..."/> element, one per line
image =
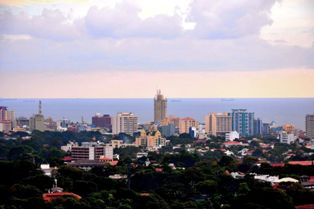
<point x="37" y="121"/>
<point x="218" y="124"/>
<point x="160" y="107"/>
<point x="243" y="122"/>
<point x="309" y="126"/>
<point x="186" y="123"/>
<point x="266" y="129"/>
<point x="5" y="119"/>
<point x="258" y="127"/>
<point x="102" y="121"/>
<point x="124" y="122"/>
<point x="3" y="113"/>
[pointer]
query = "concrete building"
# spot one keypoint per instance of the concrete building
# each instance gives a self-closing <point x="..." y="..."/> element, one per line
<point x="6" y="119"/>
<point x="286" y="138"/>
<point x="218" y="124"/>
<point x="151" y="140"/>
<point x="160" y="107"/>
<point x="102" y="121"/>
<point x="91" y="151"/>
<point x="167" y="130"/>
<point x="5" y="126"/>
<point x="22" y="122"/>
<point x="232" y="136"/>
<point x="141" y="139"/>
<point x="116" y="143"/>
<point x="243" y="122"/>
<point x="186" y="123"/>
<point x="124" y="122"/>
<point x="309" y="126"/>
<point x="3" y="113"/>
<point x="37" y="121"/>
<point x="258" y="127"/>
<point x="266" y="129"/>
<point x="193" y="132"/>
<point x="155" y="140"/>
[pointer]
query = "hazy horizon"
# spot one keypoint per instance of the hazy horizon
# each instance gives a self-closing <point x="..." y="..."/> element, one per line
<point x="128" y="49"/>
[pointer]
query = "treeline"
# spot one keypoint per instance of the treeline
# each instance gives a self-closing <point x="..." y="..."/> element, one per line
<point x="205" y="184"/>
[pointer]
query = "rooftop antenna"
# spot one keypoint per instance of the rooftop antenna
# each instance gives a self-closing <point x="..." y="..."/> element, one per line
<point x="39" y="108"/>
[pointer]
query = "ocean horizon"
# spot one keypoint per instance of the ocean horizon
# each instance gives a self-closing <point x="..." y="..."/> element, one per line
<point x="280" y="110"/>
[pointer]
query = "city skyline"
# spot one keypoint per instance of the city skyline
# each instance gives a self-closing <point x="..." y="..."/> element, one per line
<point x="247" y="49"/>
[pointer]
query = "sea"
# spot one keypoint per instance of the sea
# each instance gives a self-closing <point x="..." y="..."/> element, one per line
<point x="278" y="110"/>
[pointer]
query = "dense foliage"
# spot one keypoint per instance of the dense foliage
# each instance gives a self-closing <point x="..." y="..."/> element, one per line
<point x="193" y="181"/>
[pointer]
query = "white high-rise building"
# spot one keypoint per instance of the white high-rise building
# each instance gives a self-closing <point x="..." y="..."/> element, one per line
<point x="124" y="122"/>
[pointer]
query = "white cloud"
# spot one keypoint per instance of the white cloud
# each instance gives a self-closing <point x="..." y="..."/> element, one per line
<point x="293" y="24"/>
<point x="121" y="37"/>
<point x="51" y="24"/>
<point x="123" y="21"/>
<point x="229" y="19"/>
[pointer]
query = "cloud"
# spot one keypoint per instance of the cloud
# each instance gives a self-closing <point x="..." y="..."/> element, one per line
<point x="115" y="37"/>
<point x="123" y="22"/>
<point x="51" y="24"/>
<point x="213" y="20"/>
<point x="293" y="24"/>
<point x="229" y="19"/>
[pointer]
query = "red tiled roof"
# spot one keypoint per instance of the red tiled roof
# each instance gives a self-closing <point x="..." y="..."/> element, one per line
<point x="114" y="162"/>
<point x="105" y="158"/>
<point x="158" y="170"/>
<point x="309" y="206"/>
<point x="277" y="164"/>
<point x="67" y="158"/>
<point x="232" y="143"/>
<point x="304" y="162"/>
<point x="311" y="180"/>
<point x="187" y="118"/>
<point x="48" y="197"/>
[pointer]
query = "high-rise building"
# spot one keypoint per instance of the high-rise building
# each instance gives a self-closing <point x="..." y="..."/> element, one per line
<point x="160" y="107"/>
<point x="243" y="122"/>
<point x="258" y="127"/>
<point x="6" y="119"/>
<point x="124" y="122"/>
<point x="102" y="121"/>
<point x="218" y="124"/>
<point x="266" y="129"/>
<point x="37" y="121"/>
<point x="186" y="123"/>
<point x="3" y="113"/>
<point x="309" y="126"/>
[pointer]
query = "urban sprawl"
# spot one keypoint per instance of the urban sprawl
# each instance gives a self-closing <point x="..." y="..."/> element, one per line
<point x="242" y="146"/>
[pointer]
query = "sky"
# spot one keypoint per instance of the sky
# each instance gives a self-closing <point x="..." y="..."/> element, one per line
<point x="130" y="48"/>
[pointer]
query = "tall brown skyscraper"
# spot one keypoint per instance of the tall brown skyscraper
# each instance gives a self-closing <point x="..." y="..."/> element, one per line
<point x="160" y="107"/>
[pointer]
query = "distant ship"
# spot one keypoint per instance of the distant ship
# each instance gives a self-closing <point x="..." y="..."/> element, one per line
<point x="175" y="100"/>
<point x="227" y="99"/>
